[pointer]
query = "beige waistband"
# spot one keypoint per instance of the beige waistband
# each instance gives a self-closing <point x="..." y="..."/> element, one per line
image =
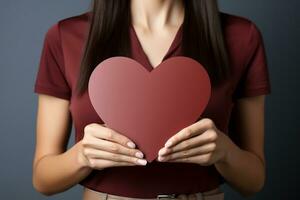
<point x="215" y="194"/>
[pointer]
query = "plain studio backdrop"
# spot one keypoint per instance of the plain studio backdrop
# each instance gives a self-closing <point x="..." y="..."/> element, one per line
<point x="23" y="27"/>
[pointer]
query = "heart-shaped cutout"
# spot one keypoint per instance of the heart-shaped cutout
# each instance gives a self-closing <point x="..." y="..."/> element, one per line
<point x="149" y="106"/>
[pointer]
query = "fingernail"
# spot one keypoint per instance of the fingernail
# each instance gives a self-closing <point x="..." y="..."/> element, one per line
<point x="131" y="144"/>
<point x="142" y="161"/>
<point x="168" y="144"/>
<point x="139" y="154"/>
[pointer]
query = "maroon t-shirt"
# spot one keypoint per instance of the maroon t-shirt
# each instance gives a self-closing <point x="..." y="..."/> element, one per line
<point x="58" y="72"/>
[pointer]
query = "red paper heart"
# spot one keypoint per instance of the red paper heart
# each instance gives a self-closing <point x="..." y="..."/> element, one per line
<point x="149" y="106"/>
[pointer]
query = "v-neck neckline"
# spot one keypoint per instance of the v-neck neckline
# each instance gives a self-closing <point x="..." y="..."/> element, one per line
<point x="174" y="44"/>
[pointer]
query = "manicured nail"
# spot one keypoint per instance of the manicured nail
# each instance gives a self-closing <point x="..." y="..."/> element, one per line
<point x="139" y="154"/>
<point x="142" y="161"/>
<point x="131" y="144"/>
<point x="168" y="144"/>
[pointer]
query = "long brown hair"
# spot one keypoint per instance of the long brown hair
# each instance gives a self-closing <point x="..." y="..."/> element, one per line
<point x="202" y="37"/>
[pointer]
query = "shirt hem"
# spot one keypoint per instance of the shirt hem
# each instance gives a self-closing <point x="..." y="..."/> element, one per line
<point x="51" y="91"/>
<point x="255" y="92"/>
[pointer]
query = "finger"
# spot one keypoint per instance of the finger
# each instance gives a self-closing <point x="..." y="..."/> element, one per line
<point x="190" y="131"/>
<point x="199" y="159"/>
<point x="102" y="164"/>
<point x="112" y="147"/>
<point x="103" y="132"/>
<point x="99" y="154"/>
<point x="204" y="149"/>
<point x="204" y="138"/>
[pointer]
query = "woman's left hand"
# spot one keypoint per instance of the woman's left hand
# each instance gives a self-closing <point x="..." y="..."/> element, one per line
<point x="201" y="143"/>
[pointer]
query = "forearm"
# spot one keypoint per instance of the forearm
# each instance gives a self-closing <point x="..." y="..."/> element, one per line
<point x="243" y="170"/>
<point x="56" y="173"/>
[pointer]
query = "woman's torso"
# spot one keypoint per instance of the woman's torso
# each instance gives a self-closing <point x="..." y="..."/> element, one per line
<point x="156" y="177"/>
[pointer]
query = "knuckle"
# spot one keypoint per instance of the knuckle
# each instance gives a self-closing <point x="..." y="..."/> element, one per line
<point x="111" y="163"/>
<point x="86" y="151"/>
<point x="124" y="158"/>
<point x="92" y="163"/>
<point x="175" y="137"/>
<point x="134" y="160"/>
<point x="209" y="123"/>
<point x="213" y="135"/>
<point x="185" y="144"/>
<point x="115" y="156"/>
<point x="84" y="142"/>
<point x="187" y="132"/>
<point x="114" y="148"/>
<point x="185" y="152"/>
<point x="109" y="134"/>
<point x="89" y="127"/>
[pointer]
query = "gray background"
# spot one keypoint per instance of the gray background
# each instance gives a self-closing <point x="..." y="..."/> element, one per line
<point x="23" y="25"/>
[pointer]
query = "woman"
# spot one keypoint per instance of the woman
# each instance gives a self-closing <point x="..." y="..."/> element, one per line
<point x="224" y="145"/>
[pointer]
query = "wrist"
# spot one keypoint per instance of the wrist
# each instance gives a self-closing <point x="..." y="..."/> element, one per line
<point x="230" y="150"/>
<point x="81" y="160"/>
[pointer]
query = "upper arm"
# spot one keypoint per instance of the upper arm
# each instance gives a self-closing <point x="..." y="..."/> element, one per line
<point x="53" y="123"/>
<point x="247" y="121"/>
<point x="53" y="126"/>
<point x="247" y="125"/>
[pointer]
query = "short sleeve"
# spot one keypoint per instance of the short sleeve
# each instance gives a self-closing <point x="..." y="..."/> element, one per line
<point x="255" y="79"/>
<point x="50" y="77"/>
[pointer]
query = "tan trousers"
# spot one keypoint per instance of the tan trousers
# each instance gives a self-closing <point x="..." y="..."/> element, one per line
<point x="95" y="195"/>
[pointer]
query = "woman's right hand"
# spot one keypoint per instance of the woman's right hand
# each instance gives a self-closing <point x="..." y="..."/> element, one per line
<point x="102" y="147"/>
